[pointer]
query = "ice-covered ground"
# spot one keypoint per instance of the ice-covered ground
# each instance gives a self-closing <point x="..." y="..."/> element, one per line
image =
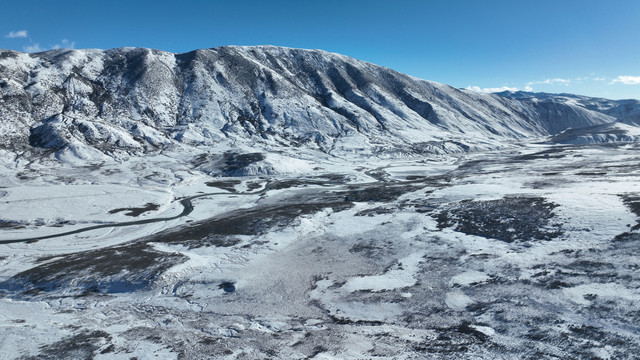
<point x="529" y="252"/>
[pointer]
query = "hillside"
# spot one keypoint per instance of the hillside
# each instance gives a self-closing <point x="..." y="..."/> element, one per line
<point x="92" y="105"/>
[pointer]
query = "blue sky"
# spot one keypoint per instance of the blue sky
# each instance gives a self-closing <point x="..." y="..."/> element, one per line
<point x="584" y="47"/>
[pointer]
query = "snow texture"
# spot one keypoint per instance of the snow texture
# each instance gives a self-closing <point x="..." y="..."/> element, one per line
<point x="264" y="202"/>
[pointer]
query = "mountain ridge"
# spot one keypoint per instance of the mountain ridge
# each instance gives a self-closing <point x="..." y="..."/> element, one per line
<point x="131" y="101"/>
<point x="626" y="110"/>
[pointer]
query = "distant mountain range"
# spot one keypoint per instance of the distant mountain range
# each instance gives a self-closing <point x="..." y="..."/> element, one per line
<point x="97" y="104"/>
<point x="627" y="111"/>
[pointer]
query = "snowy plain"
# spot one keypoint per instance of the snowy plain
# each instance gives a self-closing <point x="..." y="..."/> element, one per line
<point x="524" y="252"/>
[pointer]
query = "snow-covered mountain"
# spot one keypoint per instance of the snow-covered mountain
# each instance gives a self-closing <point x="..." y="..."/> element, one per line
<point x="92" y="104"/>
<point x="626" y="112"/>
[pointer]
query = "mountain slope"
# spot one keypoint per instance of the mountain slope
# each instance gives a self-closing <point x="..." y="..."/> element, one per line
<point x="96" y="103"/>
<point x="627" y="110"/>
<point x="624" y="129"/>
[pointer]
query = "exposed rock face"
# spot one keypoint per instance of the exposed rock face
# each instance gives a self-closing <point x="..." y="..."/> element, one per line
<point x="134" y="100"/>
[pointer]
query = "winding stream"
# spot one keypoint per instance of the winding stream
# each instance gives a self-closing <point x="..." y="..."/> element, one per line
<point x="186" y="203"/>
<point x="188" y="207"/>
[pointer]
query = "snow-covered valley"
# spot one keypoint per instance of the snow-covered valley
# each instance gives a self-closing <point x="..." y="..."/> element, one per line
<point x="528" y="252"/>
<point x="263" y="202"/>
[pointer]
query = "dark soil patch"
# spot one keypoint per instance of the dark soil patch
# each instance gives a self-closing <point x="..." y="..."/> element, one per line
<point x="11" y="225"/>
<point x="229" y="185"/>
<point x="227" y="164"/>
<point x="628" y="236"/>
<point x="111" y="270"/>
<point x="253" y="185"/>
<point x="339" y="178"/>
<point x="375" y="211"/>
<point x="508" y="219"/>
<point x="220" y="231"/>
<point x="137" y="211"/>
<point x="416" y="177"/>
<point x="368" y="249"/>
<point x="286" y="184"/>
<point x="552" y="153"/>
<point x="591" y="173"/>
<point x="453" y="341"/>
<point x="323" y="180"/>
<point x="378" y="193"/>
<point x="479" y="164"/>
<point x="236" y="162"/>
<point x="227" y="286"/>
<point x="80" y="346"/>
<point x="633" y="203"/>
<point x="62" y="223"/>
<point x="109" y="172"/>
<point x="541" y="184"/>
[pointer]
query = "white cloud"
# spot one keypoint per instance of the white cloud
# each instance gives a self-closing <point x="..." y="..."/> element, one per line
<point x="16" y="34"/>
<point x="556" y="81"/>
<point x="33" y="48"/>
<point x="627" y="80"/>
<point x="528" y="88"/>
<point x="599" y="79"/>
<point x="65" y="44"/>
<point x="491" y="90"/>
